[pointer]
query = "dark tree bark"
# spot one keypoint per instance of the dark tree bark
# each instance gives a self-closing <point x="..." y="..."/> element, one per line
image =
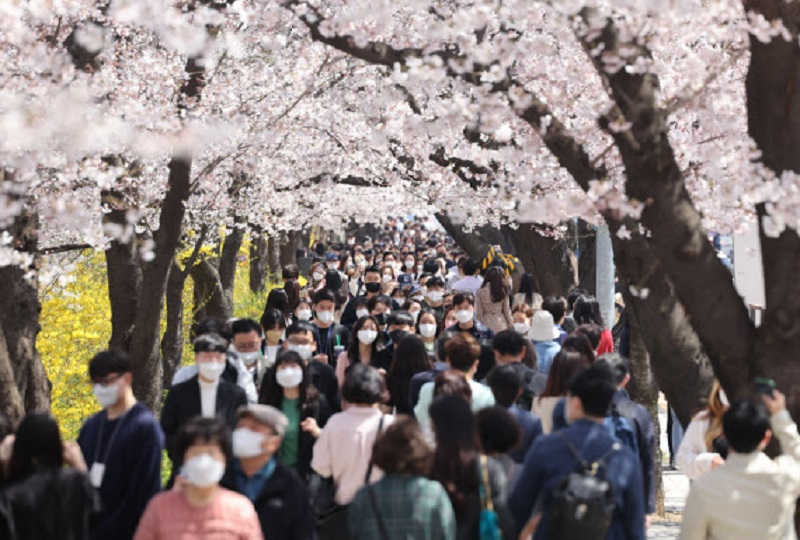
<point x="474" y="245"/>
<point x="290" y="241"/>
<point x="273" y="255"/>
<point x="210" y="299"/>
<point x="123" y="272"/>
<point x="258" y="260"/>
<point x="229" y="258"/>
<point x="552" y="263"/>
<point x="172" y="340"/>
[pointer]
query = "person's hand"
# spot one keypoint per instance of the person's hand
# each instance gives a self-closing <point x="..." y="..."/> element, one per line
<point x="321" y="358"/>
<point x="717" y="461"/>
<point x="775" y="403"/>
<point x="7" y="448"/>
<point x="648" y="521"/>
<point x="310" y="425"/>
<point x="382" y="372"/>
<point x="530" y="528"/>
<point x="73" y="456"/>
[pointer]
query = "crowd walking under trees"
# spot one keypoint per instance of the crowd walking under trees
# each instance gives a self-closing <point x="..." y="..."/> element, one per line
<point x="405" y="379"/>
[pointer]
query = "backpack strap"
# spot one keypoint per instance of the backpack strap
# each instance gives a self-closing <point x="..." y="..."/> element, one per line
<point x="594" y="466"/>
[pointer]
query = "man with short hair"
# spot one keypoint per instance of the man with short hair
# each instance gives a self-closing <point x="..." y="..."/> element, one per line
<point x="279" y="495"/>
<point x="235" y="370"/>
<point x="751" y="496"/>
<point x="507" y="386"/>
<point x="206" y="394"/>
<point x="300" y="338"/>
<point x="373" y="284"/>
<point x="331" y="338"/>
<point x="471" y="281"/>
<point x="122" y="446"/>
<point x="420" y="379"/>
<point x="639" y="418"/>
<point x="553" y="458"/>
<point x="434" y="296"/>
<point x="461" y="353"/>
<point x="510" y="349"/>
<point x="246" y="342"/>
<point x="569" y="325"/>
<point x="464" y="307"/>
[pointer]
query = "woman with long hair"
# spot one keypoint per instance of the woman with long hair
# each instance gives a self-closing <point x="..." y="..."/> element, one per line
<point x="41" y="499"/>
<point x="527" y="293"/>
<point x="428" y="329"/>
<point x="368" y="347"/>
<point x="278" y="299"/>
<point x="292" y="289"/>
<point x="458" y="466"/>
<point x="273" y="323"/>
<point x="566" y="364"/>
<point x="703" y="446"/>
<point x="587" y="311"/>
<point x="410" y="358"/>
<point x="491" y="303"/>
<point x="290" y="389"/>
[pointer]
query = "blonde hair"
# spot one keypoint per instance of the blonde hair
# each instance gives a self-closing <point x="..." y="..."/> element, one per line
<point x="714" y="413"/>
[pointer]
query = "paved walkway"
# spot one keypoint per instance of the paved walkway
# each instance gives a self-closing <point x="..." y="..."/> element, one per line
<point x="676" y="488"/>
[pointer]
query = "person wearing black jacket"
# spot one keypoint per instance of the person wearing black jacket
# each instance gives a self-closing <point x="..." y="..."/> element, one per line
<point x="640" y="419"/>
<point x="206" y="394"/>
<point x="331" y="338"/>
<point x="373" y="282"/>
<point x="510" y="349"/>
<point x="280" y="497"/>
<point x="291" y="391"/>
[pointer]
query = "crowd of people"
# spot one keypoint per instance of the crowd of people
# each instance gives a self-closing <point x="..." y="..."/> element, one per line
<point x="406" y="392"/>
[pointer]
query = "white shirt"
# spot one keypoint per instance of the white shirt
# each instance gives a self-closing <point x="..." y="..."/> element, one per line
<point x="344" y="449"/>
<point x="469" y="284"/>
<point x="482" y="397"/>
<point x="272" y="354"/>
<point x="751" y="496"/>
<point x="244" y="379"/>
<point x="208" y="398"/>
<point x="693" y="457"/>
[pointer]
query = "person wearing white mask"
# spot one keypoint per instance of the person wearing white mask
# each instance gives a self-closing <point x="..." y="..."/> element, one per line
<point x="434" y="296"/>
<point x="258" y="472"/>
<point x="274" y="327"/>
<point x="369" y="347"/>
<point x="464" y="308"/>
<point x="207" y="394"/>
<point x="292" y="391"/>
<point x="201" y="509"/>
<point x="122" y="447"/>
<point x="303" y="311"/>
<point x="428" y="329"/>
<point x="300" y="338"/>
<point x="246" y="342"/>
<point x="331" y="338"/>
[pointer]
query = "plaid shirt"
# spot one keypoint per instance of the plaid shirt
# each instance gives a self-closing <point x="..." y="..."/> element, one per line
<point x="411" y="507"/>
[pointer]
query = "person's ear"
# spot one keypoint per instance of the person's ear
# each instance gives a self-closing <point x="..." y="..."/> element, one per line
<point x="626" y="380"/>
<point x="128" y="377"/>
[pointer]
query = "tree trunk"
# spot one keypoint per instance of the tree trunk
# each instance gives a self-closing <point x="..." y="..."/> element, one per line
<point x="209" y="296"/>
<point x="123" y="272"/>
<point x="20" y="363"/>
<point x="229" y="258"/>
<point x="145" y="347"/>
<point x="172" y="341"/>
<point x="587" y="256"/>
<point x="273" y="256"/>
<point x="643" y="389"/>
<point x="549" y="259"/>
<point x="290" y="241"/>
<point x="475" y="246"/>
<point x="258" y="260"/>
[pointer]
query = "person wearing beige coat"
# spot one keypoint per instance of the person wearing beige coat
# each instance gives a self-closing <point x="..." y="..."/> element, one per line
<point x="494" y="314"/>
<point x="750" y="496"/>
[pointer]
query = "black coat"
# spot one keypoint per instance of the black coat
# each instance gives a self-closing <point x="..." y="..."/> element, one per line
<point x="283" y="506"/>
<point x="305" y="451"/>
<point x="51" y="504"/>
<point x="332" y="341"/>
<point x="322" y="377"/>
<point x="183" y="403"/>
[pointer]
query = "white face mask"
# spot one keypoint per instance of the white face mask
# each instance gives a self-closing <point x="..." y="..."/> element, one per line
<point x="289" y="377"/>
<point x="410" y="263"/>
<point x="367" y="336"/>
<point x="427" y="330"/>
<point x="464" y="316"/>
<point x="521" y="328"/>
<point x="106" y="394"/>
<point x="362" y="313"/>
<point x="203" y="470"/>
<point x="247" y="443"/>
<point x="333" y="266"/>
<point x="387" y="278"/>
<point x="304" y="314"/>
<point x="211" y="370"/>
<point x="423" y="290"/>
<point x="414" y="315"/>
<point x="318" y="276"/>
<point x="305" y="351"/>
<point x="250" y="358"/>
<point x="325" y="317"/>
<point x="435" y="296"/>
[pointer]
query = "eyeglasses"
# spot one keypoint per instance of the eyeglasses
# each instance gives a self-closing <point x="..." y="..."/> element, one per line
<point x="108" y="379"/>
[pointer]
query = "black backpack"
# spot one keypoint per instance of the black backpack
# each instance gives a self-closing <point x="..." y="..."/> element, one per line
<point x="583" y="503"/>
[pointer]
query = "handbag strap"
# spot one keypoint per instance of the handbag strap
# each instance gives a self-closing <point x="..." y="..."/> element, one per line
<point x="369" y="469"/>
<point x="378" y="517"/>
<point x="485" y="488"/>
